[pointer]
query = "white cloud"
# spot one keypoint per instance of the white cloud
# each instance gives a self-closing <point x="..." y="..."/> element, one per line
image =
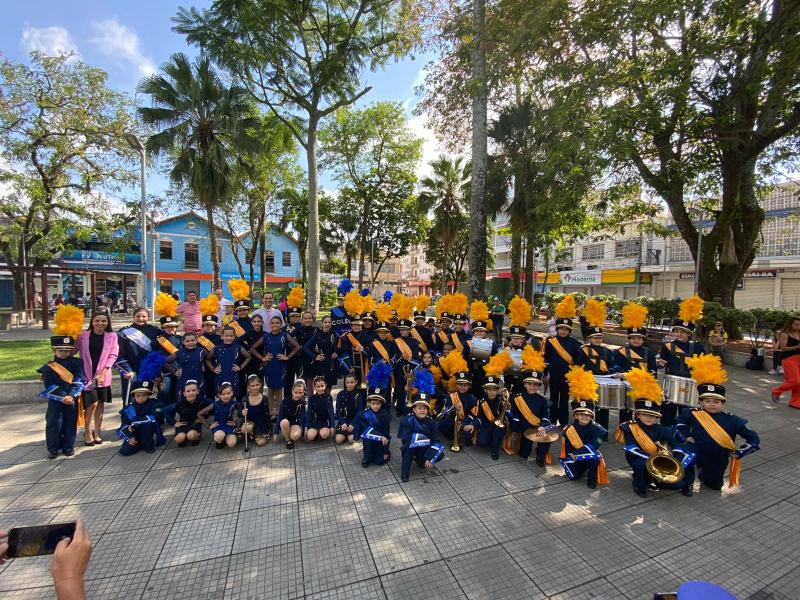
<point x="431" y="149"/>
<point x="121" y="44"/>
<point x="50" y="40"/>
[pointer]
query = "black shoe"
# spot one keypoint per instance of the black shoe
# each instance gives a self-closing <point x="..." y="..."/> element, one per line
<point x="69" y="452"/>
<point x="495" y="456"/>
<point x="687" y="491"/>
<point x="364" y="463"/>
<point x="638" y="492"/>
<point x="289" y="445"/>
<point x="592" y="485"/>
<point x="404" y="478"/>
<point x="52" y="455"/>
<point x="150" y="450"/>
<point x="181" y="444"/>
<point x="194" y="442"/>
<point x="220" y="445"/>
<point x="539" y="462"/>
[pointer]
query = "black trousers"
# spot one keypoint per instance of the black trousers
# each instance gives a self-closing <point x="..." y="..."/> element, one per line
<point x="559" y="400"/>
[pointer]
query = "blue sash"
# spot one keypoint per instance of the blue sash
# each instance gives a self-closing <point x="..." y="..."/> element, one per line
<point x="137" y="337"/>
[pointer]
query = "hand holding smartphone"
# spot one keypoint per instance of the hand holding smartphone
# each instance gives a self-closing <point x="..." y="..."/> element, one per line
<point x="38" y="540"/>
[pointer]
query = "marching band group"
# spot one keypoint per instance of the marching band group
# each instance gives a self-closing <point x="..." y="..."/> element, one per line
<point x="447" y="386"/>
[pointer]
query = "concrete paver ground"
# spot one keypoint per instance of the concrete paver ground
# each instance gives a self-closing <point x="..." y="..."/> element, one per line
<point x="311" y="523"/>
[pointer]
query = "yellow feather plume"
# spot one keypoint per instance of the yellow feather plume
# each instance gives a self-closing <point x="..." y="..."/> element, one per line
<point x="453" y="363"/>
<point x="707" y="368"/>
<point x="165" y="305"/>
<point x="395" y="300"/>
<point x="405" y="307"/>
<point x="633" y="315"/>
<point x="595" y="312"/>
<point x="479" y="311"/>
<point x="437" y="374"/>
<point x="460" y="303"/>
<point x="239" y="289"/>
<point x="422" y="302"/>
<point x="368" y="304"/>
<point x="353" y="303"/>
<point x="520" y="311"/>
<point x="451" y="303"/>
<point x="582" y="385"/>
<point x="691" y="309"/>
<point x="209" y="305"/>
<point x="643" y="385"/>
<point x="296" y="297"/>
<point x="566" y="309"/>
<point x="68" y="320"/>
<point x="499" y="364"/>
<point x="383" y="312"/>
<point x="532" y="360"/>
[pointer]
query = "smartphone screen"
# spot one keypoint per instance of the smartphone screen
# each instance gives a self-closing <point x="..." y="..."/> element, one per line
<point x="38" y="540"/>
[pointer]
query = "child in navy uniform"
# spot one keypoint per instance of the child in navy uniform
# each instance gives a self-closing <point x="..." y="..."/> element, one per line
<point x="711" y="432"/>
<point x="461" y="404"/>
<point x="139" y="430"/>
<point x="529" y="410"/>
<point x="581" y="442"/>
<point x="348" y="404"/>
<point x="291" y="413"/>
<point x="209" y="339"/>
<point x="188" y="423"/>
<point x="227" y="360"/>
<point x="373" y="428"/>
<point x="420" y="438"/>
<point x="63" y="382"/>
<point x="489" y="410"/>
<point x="256" y="409"/>
<point x="320" y="416"/>
<point x="223" y="429"/>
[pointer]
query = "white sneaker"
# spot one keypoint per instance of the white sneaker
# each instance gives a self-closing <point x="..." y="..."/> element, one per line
<point x="773" y="372"/>
<point x="780" y="370"/>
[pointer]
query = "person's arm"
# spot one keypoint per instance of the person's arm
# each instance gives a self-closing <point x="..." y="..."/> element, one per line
<point x="309" y="346"/>
<point x="295" y="347"/>
<point x="69" y="563"/>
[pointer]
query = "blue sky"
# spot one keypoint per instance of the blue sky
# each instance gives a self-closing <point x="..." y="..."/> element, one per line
<point x="131" y="39"/>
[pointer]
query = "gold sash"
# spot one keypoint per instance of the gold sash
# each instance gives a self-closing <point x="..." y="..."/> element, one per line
<point x="404" y="349"/>
<point x="526" y="412"/>
<point x="381" y="350"/>
<point x="675" y="349"/>
<point x="721" y="437"/>
<point x="487" y="410"/>
<point x="573" y="438"/>
<point x="643" y="440"/>
<point x="166" y="344"/>
<point x="353" y="341"/>
<point x="459" y="406"/>
<point x="630" y="353"/>
<point x="238" y="330"/>
<point x="443" y="337"/>
<point x="457" y="342"/>
<point x="587" y="351"/>
<point x="566" y="356"/>
<point x="61" y="371"/>
<point x="415" y="334"/>
<point x="206" y="343"/>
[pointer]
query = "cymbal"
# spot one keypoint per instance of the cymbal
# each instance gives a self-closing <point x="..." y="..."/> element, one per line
<point x="547" y="438"/>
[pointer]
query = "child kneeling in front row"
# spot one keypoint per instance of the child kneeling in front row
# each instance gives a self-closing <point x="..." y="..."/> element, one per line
<point x="420" y="437"/>
<point x="289" y="422"/>
<point x="256" y="411"/>
<point x="372" y="427"/>
<point x="188" y="422"/>
<point x="139" y="429"/>
<point x="320" y="417"/>
<point x="581" y="442"/>
<point x="223" y="429"/>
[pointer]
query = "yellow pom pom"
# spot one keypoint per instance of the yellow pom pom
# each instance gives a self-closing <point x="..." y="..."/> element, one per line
<point x="582" y="385"/>
<point x="499" y="364"/>
<point x="532" y="360"/>
<point x="422" y="302"/>
<point x="633" y="315"/>
<point x="383" y="312"/>
<point x="239" y="289"/>
<point x="165" y="305"/>
<point x="68" y="320"/>
<point x="453" y="363"/>
<point x="209" y="305"/>
<point x="395" y="300"/>
<point x="566" y="309"/>
<point x="479" y="311"/>
<point x="368" y="304"/>
<point x="691" y="309"/>
<point x="595" y="312"/>
<point x="296" y="297"/>
<point x="707" y="368"/>
<point x="644" y="385"/>
<point x="437" y="374"/>
<point x="405" y="307"/>
<point x="353" y="304"/>
<point x="519" y="310"/>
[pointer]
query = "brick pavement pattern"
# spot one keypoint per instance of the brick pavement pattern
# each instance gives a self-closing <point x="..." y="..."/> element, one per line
<point x="311" y="523"/>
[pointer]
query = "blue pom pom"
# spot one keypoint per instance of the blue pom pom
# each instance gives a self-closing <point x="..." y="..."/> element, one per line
<point x="345" y="285"/>
<point x="151" y="366"/>
<point x="365" y="292"/>
<point x="423" y="381"/>
<point x="379" y="375"/>
<point x="387" y="296"/>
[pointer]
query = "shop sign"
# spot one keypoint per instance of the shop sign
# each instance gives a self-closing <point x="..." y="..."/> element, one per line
<point x="581" y="278"/>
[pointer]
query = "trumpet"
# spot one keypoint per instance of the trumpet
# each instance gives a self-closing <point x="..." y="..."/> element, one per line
<point x="502" y="419"/>
<point x="408" y="371"/>
<point x="358" y="366"/>
<point x="663" y="467"/>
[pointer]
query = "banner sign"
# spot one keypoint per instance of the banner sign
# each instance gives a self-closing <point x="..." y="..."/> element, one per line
<point x="581" y="277"/>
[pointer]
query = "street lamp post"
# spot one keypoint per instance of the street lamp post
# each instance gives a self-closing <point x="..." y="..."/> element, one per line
<point x="136" y="144"/>
<point x="699" y="252"/>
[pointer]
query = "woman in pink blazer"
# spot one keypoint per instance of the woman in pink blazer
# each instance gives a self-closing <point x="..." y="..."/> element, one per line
<point x="98" y="348"/>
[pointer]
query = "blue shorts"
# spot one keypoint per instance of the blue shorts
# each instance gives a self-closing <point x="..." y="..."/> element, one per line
<point x="228" y="429"/>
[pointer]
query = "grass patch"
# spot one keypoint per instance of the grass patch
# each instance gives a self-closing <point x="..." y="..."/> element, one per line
<point x="19" y="360"/>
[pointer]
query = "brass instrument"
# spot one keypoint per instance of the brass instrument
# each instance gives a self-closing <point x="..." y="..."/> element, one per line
<point x="408" y="372"/>
<point x="455" y="447"/>
<point x="358" y="359"/>
<point x="502" y="420"/>
<point x="663" y="467"/>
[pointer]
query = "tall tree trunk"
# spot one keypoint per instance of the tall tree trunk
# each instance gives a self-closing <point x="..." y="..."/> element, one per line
<point x="516" y="258"/>
<point x="529" y="271"/>
<point x="262" y="256"/>
<point x="349" y="257"/>
<point x="477" y="222"/>
<point x="212" y="234"/>
<point x="546" y="266"/>
<point x="312" y="280"/>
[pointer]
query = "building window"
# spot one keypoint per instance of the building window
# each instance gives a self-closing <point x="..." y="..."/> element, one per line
<point x="165" y="285"/>
<point x="627" y="248"/>
<point x="565" y="255"/>
<point x="286" y="260"/>
<point x="269" y="261"/>
<point x="593" y="251"/>
<point x="165" y="249"/>
<point x="191" y="255"/>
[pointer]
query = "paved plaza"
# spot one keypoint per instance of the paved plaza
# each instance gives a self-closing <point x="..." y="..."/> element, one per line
<point x="312" y="523"/>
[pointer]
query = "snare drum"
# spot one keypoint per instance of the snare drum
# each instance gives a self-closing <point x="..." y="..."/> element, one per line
<point x="611" y="392"/>
<point x="680" y="390"/>
<point x="480" y="349"/>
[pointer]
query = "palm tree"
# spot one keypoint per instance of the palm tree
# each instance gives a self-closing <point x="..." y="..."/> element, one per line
<point x="204" y="125"/>
<point x="445" y="194"/>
